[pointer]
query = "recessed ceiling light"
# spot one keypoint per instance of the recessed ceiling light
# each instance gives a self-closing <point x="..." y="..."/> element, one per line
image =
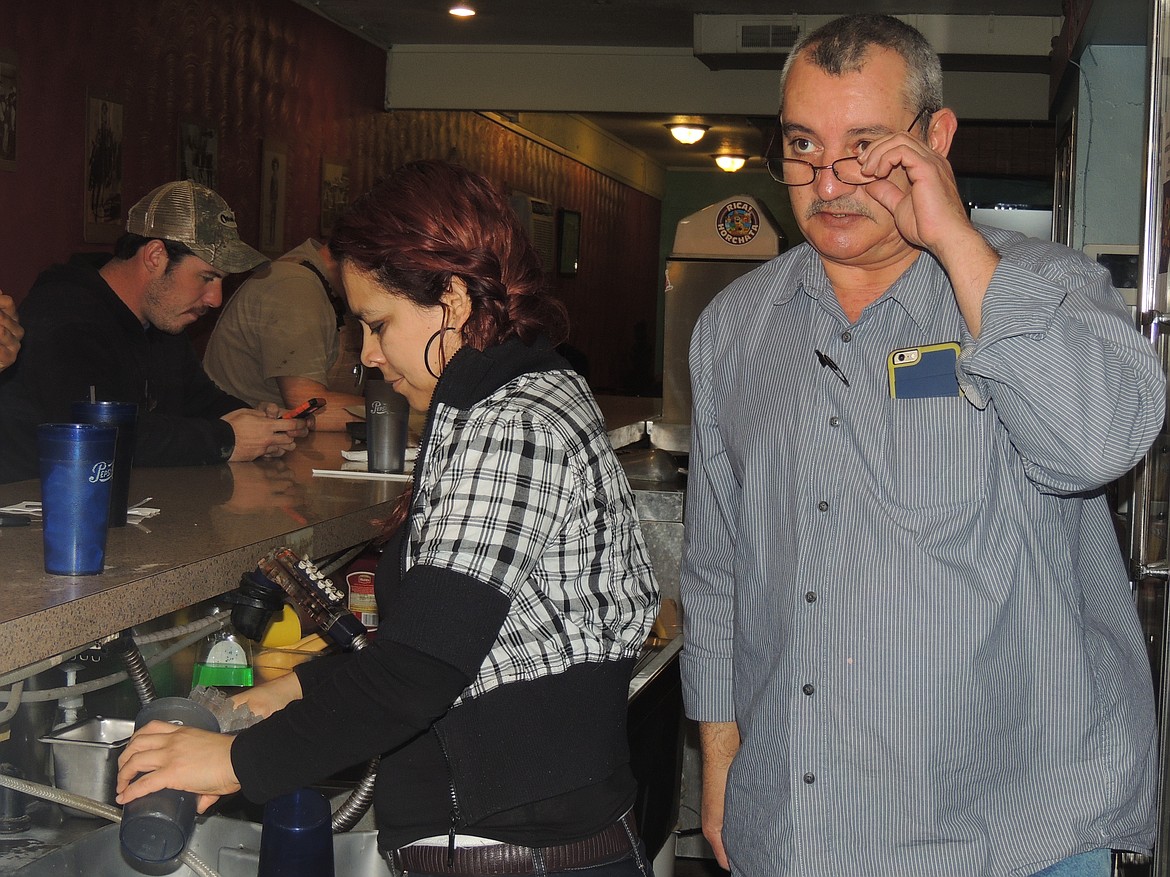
<point x="730" y="163"/>
<point x="462" y="10"/>
<point x="687" y="133"/>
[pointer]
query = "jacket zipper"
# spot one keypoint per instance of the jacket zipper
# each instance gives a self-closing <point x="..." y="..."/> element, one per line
<point x="455" y="817"/>
<point x="419" y="463"/>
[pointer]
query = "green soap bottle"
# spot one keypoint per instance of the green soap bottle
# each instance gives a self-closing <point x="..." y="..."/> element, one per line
<point x="224" y="661"/>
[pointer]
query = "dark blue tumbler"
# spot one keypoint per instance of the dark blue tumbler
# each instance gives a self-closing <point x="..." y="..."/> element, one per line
<point x="77" y="470"/>
<point x="123" y="415"/>
<point x="297" y="838"/>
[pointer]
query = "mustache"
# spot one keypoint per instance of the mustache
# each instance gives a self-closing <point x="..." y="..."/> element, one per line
<point x="843" y="204"/>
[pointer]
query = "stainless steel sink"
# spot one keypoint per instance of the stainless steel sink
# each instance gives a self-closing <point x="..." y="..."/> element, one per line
<point x="230" y="846"/>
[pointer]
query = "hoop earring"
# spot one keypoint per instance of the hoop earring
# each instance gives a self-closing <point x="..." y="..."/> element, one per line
<point x="427" y="351"/>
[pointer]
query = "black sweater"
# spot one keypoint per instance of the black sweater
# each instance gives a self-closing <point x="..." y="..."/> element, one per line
<point x="79" y="334"/>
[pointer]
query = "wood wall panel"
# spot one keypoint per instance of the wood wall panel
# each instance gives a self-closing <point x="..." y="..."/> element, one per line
<point x="258" y="69"/>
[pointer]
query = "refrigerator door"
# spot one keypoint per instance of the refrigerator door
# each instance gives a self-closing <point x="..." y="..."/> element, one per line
<point x="690" y="285"/>
<point x="712" y="247"/>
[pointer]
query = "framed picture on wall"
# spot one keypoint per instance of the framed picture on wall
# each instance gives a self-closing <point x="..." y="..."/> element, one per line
<point x="198" y="153"/>
<point x="8" y="92"/>
<point x="568" y="241"/>
<point x="104" y="218"/>
<point x="273" y="173"/>
<point x="334" y="192"/>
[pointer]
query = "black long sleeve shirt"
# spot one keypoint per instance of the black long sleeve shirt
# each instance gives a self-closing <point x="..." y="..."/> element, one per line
<point x="79" y="334"/>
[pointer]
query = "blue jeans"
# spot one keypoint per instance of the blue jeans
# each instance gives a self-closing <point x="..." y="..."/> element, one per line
<point x="1092" y="864"/>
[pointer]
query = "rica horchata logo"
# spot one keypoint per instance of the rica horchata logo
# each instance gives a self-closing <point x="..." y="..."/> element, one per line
<point x="737" y="222"/>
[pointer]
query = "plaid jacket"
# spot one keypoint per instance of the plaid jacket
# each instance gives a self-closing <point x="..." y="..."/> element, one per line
<point x="521" y="490"/>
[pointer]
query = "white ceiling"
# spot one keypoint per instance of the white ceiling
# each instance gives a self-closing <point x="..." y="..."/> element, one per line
<point x="627" y="23"/>
<point x="609" y="22"/>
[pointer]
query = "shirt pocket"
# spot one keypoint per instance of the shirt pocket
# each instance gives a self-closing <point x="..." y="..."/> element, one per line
<point x="936" y="453"/>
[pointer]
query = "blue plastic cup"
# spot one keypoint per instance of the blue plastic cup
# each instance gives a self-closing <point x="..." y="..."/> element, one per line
<point x="77" y="470"/>
<point x="123" y="415"/>
<point x="296" y="839"/>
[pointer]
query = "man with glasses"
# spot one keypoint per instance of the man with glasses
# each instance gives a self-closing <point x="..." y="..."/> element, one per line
<point x="910" y="639"/>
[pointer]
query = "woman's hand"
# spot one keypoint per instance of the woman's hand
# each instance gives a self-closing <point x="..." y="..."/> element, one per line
<point x="165" y="756"/>
<point x="270" y="697"/>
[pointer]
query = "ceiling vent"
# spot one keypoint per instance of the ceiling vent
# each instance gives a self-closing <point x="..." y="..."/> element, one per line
<point x="747" y="42"/>
<point x="771" y="37"/>
<point x="964" y="42"/>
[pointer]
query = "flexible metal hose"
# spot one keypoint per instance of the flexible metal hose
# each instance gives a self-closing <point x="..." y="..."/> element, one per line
<point x="136" y="668"/>
<point x="94" y="808"/>
<point x="355" y="806"/>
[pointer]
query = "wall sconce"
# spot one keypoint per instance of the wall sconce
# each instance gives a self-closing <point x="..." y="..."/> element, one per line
<point x="688" y="134"/>
<point x="461" y="10"/>
<point x="730" y="163"/>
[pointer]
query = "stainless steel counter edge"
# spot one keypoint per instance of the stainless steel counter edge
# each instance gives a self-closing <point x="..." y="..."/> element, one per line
<point x="654" y="666"/>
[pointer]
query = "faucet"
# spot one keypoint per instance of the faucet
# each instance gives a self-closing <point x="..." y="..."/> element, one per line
<point x="70" y="710"/>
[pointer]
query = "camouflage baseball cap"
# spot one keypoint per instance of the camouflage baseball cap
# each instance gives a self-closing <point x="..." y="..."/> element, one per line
<point x="191" y="214"/>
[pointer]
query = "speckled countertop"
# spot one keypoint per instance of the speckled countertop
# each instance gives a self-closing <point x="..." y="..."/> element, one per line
<point x="214" y="523"/>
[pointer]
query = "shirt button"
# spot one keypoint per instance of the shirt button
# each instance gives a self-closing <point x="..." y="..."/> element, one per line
<point x="810" y="778"/>
<point x="810" y="597"/>
<point x="834" y="420"/>
<point x="846" y="336"/>
<point x="808" y="689"/>
<point x="823" y="506"/>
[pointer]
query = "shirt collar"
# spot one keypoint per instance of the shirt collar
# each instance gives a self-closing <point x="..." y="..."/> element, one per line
<point x="916" y="291"/>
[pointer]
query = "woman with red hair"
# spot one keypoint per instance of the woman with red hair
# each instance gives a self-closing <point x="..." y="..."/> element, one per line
<point x="515" y="591"/>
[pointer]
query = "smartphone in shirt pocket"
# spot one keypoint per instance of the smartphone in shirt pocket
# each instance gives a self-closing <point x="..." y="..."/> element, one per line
<point x="926" y="372"/>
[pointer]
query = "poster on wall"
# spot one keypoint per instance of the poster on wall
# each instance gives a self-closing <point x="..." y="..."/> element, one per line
<point x="8" y="92"/>
<point x="273" y="170"/>
<point x="104" y="220"/>
<point x="334" y="192"/>
<point x="198" y="153"/>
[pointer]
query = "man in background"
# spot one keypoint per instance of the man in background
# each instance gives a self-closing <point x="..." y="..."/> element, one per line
<point x="910" y="637"/>
<point x="279" y="336"/>
<point x="112" y="327"/>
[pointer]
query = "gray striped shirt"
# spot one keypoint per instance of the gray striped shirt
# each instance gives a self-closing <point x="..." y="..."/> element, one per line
<point x="915" y="608"/>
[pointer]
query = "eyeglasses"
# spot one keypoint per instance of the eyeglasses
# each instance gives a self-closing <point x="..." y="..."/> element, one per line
<point x="797" y="172"/>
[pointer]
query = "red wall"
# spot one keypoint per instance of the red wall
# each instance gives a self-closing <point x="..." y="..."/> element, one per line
<point x="271" y="69"/>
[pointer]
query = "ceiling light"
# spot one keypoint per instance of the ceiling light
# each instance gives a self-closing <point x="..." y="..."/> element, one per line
<point x="688" y="134"/>
<point x="730" y="163"/>
<point x="462" y="10"/>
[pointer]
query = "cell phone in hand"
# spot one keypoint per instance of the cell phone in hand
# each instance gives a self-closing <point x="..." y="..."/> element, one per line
<point x="304" y="409"/>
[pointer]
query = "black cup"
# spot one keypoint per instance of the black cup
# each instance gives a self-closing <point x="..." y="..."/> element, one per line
<point x="156" y="827"/>
<point x="387" y="419"/>
<point x="123" y="415"/>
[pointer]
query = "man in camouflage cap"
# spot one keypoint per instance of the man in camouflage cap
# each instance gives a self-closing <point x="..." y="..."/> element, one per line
<point x="112" y="326"/>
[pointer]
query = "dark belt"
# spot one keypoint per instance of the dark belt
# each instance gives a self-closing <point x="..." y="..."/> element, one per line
<point x="609" y="844"/>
